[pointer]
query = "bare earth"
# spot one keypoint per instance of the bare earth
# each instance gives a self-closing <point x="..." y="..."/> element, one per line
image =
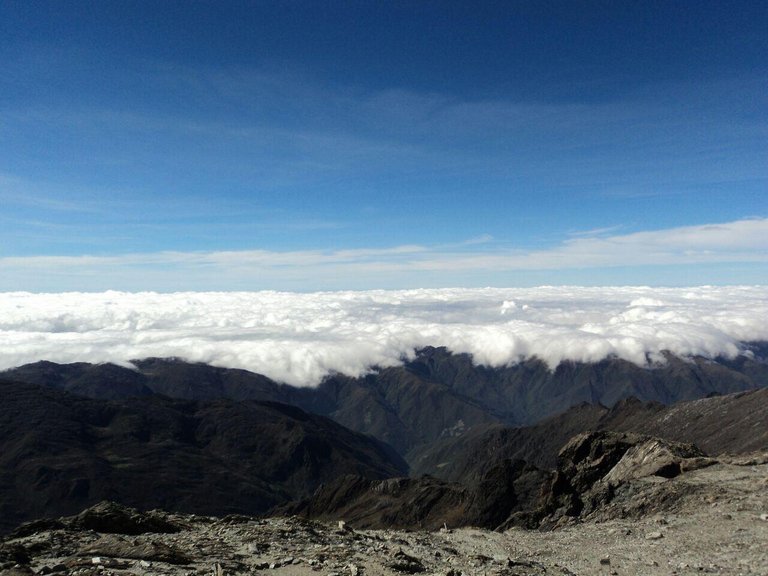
<point x="713" y="520"/>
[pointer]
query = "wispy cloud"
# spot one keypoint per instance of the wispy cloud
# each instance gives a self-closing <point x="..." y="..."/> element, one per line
<point x="37" y="195"/>
<point x="738" y="241"/>
<point x="595" y="231"/>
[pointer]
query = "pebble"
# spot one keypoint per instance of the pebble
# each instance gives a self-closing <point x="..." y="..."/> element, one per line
<point x="654" y="536"/>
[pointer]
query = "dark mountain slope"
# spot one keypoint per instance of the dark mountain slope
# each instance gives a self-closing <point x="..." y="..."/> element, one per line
<point x="106" y="381"/>
<point x="403" y="409"/>
<point x="60" y="453"/>
<point x="508" y="489"/>
<point x="179" y="379"/>
<point x="527" y="392"/>
<point x="468" y="457"/>
<point x="735" y="423"/>
<point x="437" y="395"/>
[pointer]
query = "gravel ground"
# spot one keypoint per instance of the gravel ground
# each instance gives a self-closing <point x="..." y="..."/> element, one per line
<point x="713" y="520"/>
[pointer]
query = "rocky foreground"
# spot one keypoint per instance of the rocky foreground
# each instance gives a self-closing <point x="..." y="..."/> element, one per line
<point x="710" y="519"/>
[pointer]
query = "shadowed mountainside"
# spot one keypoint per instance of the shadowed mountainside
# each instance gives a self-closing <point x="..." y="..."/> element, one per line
<point x="437" y="395"/>
<point x="734" y="423"/>
<point x="60" y="453"/>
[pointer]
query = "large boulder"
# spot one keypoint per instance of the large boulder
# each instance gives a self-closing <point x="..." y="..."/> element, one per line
<point x="593" y="465"/>
<point x="652" y="457"/>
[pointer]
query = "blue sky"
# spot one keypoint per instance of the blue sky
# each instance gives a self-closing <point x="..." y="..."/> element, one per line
<point x="333" y="145"/>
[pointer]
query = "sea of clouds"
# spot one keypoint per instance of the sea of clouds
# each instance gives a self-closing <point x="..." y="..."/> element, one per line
<point x="299" y="338"/>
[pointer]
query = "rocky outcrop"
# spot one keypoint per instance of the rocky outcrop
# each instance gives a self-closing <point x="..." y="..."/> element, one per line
<point x="408" y="503"/>
<point x="105" y="517"/>
<point x="503" y="497"/>
<point x="593" y="465"/>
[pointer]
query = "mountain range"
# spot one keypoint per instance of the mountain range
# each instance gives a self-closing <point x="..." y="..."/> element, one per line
<point x="197" y="438"/>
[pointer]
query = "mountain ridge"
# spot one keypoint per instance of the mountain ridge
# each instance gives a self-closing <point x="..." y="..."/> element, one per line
<point x="435" y="395"/>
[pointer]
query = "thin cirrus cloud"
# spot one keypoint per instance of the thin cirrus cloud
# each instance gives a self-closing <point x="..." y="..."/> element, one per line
<point x="300" y="338"/>
<point x="741" y="241"/>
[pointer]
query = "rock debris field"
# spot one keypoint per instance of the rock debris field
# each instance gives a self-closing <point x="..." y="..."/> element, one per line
<point x="713" y="520"/>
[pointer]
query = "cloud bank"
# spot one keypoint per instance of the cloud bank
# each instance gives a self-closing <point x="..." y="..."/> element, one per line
<point x="300" y="338"/>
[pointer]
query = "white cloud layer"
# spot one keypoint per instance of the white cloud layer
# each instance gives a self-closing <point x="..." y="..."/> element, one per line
<point x="300" y="338"/>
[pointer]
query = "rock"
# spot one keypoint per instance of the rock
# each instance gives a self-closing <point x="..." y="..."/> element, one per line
<point x="405" y="563"/>
<point x="12" y="554"/>
<point x="101" y="561"/>
<point x="654" y="536"/>
<point x="582" y="462"/>
<point x="113" y="518"/>
<point x="652" y="457"/>
<point x="605" y="561"/>
<point x="17" y="570"/>
<point x="594" y="467"/>
<point x="116" y="547"/>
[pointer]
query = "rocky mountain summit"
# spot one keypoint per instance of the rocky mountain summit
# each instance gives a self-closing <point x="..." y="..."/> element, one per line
<point x="710" y="519"/>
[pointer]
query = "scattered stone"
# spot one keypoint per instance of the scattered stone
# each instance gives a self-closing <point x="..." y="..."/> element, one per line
<point x="12" y="554"/>
<point x="206" y="546"/>
<point x="405" y="563"/>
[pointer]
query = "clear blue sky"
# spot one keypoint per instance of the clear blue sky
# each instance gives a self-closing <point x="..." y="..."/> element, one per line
<point x="309" y="145"/>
